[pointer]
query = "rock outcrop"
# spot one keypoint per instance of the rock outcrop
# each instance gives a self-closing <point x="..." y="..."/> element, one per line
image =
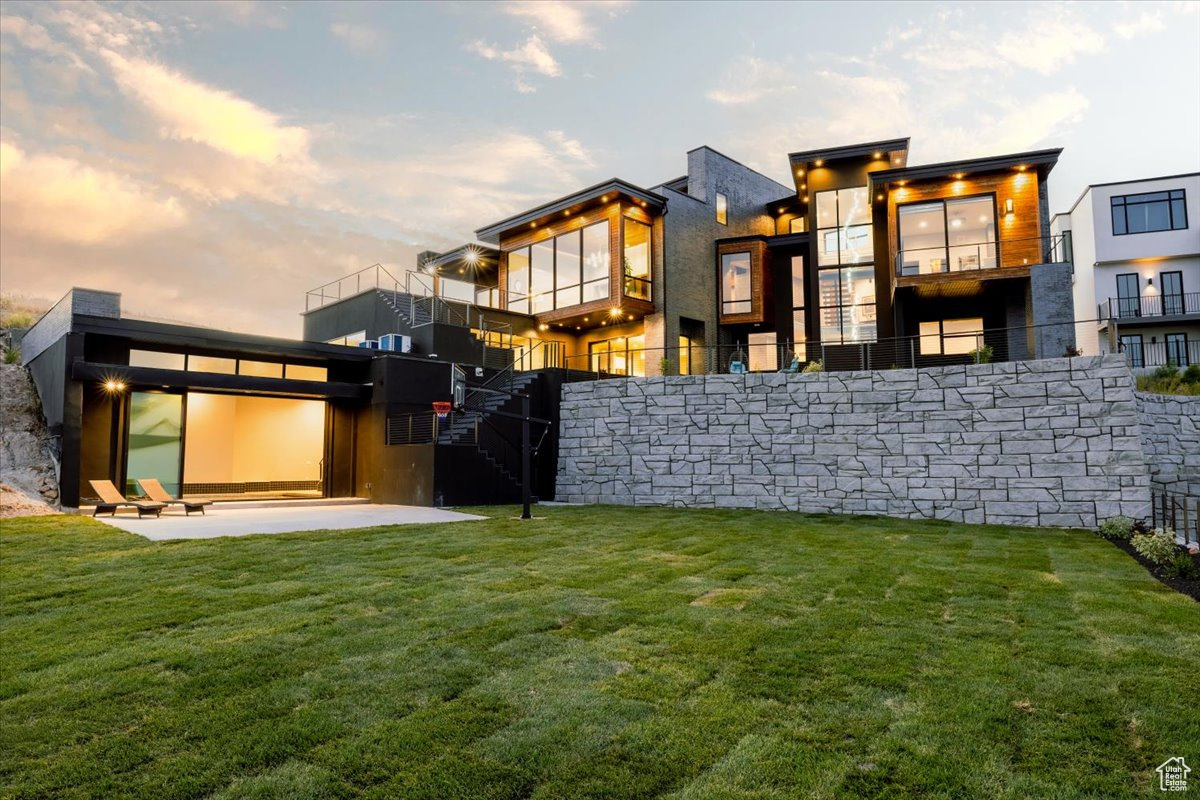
<point x="25" y="461"/>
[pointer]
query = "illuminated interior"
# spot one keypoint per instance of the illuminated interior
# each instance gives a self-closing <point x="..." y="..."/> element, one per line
<point x="251" y="446"/>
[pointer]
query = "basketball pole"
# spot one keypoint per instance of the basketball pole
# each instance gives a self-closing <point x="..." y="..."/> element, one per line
<point x="525" y="493"/>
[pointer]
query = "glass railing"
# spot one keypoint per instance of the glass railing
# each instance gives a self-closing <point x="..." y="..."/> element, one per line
<point x="970" y="257"/>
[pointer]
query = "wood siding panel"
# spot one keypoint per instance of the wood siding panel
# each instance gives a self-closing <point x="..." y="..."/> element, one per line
<point x="1018" y="235"/>
<point x="761" y="296"/>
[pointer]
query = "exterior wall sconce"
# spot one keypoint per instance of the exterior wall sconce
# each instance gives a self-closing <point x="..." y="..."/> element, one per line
<point x="1150" y="287"/>
<point x="1008" y="207"/>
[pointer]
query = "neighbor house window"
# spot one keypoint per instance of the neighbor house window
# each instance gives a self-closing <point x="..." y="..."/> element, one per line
<point x="735" y="283"/>
<point x="1149" y="212"/>
<point x="637" y="260"/>
<point x="949" y="337"/>
<point x="1131" y="345"/>
<point x="1172" y="293"/>
<point x="722" y="209"/>
<point x="1177" y="349"/>
<point x="1129" y="301"/>
<point x="559" y="272"/>
<point x="947" y="236"/>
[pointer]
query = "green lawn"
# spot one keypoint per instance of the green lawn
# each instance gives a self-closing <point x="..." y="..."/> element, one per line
<point x="599" y="652"/>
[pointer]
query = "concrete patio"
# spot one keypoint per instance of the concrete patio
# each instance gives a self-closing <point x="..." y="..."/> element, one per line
<point x="231" y="519"/>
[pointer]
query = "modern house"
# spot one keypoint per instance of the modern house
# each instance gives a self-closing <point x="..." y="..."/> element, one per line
<point x="863" y="262"/>
<point x="1136" y="276"/>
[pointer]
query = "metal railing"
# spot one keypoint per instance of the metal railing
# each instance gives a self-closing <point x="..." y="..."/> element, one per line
<point x="1156" y="305"/>
<point x="372" y="277"/>
<point x="975" y="256"/>
<point x="940" y="349"/>
<point x="469" y="428"/>
<point x="1158" y="354"/>
<point x="1176" y="511"/>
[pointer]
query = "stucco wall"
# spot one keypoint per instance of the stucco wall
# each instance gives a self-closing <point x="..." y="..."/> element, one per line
<point x="1171" y="441"/>
<point x="1053" y="442"/>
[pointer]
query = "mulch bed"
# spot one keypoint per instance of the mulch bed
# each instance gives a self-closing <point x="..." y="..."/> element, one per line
<point x="1184" y="586"/>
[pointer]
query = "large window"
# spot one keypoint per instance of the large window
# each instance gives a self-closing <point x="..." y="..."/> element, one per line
<point x="222" y="365"/>
<point x="799" y="336"/>
<point x="844" y="227"/>
<point x="847" y="297"/>
<point x="637" y="260"/>
<point x="950" y="337"/>
<point x="763" y="352"/>
<point x="948" y="236"/>
<point x="845" y="277"/>
<point x="563" y="271"/>
<point x="1149" y="212"/>
<point x="735" y="283"/>
<point x="624" y="355"/>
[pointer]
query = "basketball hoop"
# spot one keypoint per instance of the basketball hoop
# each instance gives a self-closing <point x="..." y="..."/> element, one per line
<point x="442" y="409"/>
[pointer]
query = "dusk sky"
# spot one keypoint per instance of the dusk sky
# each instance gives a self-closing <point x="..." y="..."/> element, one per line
<point x="212" y="161"/>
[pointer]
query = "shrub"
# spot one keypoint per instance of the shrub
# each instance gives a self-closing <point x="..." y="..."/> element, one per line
<point x="12" y="356"/>
<point x="664" y="366"/>
<point x="1191" y="375"/>
<point x="815" y="366"/>
<point x="982" y="355"/>
<point x="1157" y="547"/>
<point x="1181" y="565"/>
<point x="1119" y="527"/>
<point x="1072" y="352"/>
<point x="1167" y="372"/>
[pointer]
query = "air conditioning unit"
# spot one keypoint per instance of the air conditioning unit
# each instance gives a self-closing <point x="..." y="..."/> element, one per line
<point x="395" y="342"/>
<point x="369" y="344"/>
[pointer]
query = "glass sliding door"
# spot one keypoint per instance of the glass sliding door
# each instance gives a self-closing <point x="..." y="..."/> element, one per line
<point x="1129" y="301"/>
<point x="155" y="442"/>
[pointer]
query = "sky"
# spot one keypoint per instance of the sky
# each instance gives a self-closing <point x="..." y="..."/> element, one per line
<point x="212" y="161"/>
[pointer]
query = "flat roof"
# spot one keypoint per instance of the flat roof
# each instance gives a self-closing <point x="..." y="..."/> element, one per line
<point x="851" y="151"/>
<point x="1091" y="186"/>
<point x="1044" y="160"/>
<point x="491" y="233"/>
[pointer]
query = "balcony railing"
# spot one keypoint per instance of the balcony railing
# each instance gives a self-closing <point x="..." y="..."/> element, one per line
<point x="979" y="255"/>
<point x="1158" y="354"/>
<point x="1157" y="305"/>
<point x="637" y="288"/>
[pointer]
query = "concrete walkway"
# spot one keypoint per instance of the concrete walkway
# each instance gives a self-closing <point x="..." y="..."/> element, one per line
<point x="229" y="520"/>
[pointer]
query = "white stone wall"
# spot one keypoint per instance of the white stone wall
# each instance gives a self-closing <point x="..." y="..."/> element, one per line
<point x="1051" y="442"/>
<point x="1171" y="441"/>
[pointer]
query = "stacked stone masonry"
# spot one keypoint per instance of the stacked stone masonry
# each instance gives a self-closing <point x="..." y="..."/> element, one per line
<point x="1053" y="442"/>
<point x="1171" y="441"/>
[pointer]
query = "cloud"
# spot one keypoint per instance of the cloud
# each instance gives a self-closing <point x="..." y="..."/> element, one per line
<point x="750" y="79"/>
<point x="359" y="38"/>
<point x="188" y="110"/>
<point x="1053" y="37"/>
<point x="532" y="56"/>
<point x="58" y="198"/>
<point x="1145" y="24"/>
<point x="561" y="21"/>
<point x="552" y="21"/>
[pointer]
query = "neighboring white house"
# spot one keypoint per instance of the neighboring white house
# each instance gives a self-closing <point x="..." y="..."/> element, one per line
<point x="1136" y="258"/>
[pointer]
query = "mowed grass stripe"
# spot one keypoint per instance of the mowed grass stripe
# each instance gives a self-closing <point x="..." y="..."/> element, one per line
<point x="595" y="653"/>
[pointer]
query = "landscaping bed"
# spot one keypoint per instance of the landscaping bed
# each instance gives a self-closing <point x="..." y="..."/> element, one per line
<point x="1188" y="586"/>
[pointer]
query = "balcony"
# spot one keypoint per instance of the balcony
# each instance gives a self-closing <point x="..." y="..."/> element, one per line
<point x="982" y="256"/>
<point x="1146" y="355"/>
<point x="1150" y="308"/>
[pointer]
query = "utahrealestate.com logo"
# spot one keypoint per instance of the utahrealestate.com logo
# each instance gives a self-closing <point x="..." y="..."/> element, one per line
<point x="1172" y="775"/>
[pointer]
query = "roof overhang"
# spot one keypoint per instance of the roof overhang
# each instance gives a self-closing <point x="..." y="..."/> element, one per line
<point x="572" y="204"/>
<point x="465" y="262"/>
<point x="1041" y="161"/>
<point x="893" y="151"/>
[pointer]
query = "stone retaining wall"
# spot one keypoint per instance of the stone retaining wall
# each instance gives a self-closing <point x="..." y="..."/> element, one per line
<point x="1050" y="442"/>
<point x="1171" y="441"/>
